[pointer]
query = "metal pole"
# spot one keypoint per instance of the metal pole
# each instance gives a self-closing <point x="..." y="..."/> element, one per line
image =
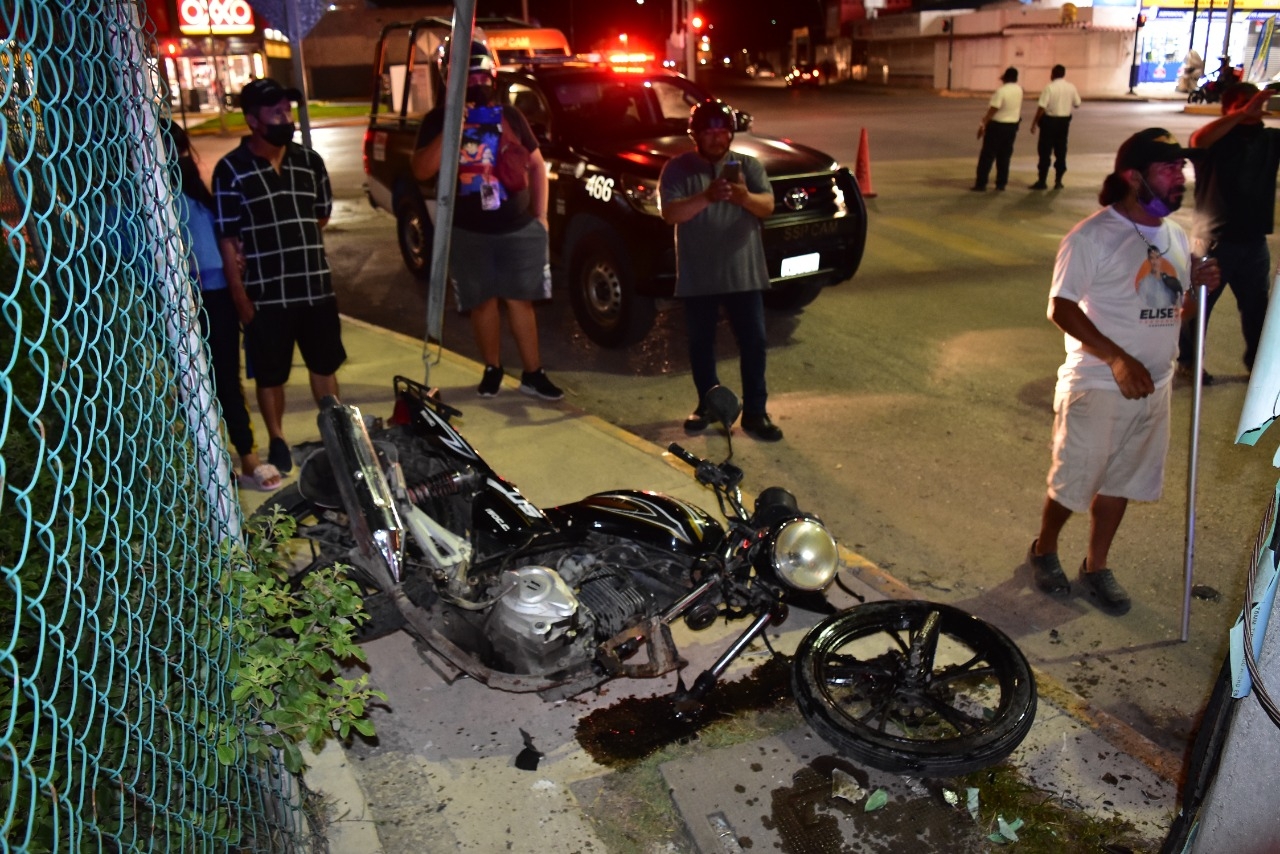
<point x="1191" y="37"/>
<point x="1133" y="69"/>
<point x="299" y="70"/>
<point x="1202" y="307"/>
<point x="1226" y="38"/>
<point x="464" y="21"/>
<point x="951" y="42"/>
<point x="690" y="47"/>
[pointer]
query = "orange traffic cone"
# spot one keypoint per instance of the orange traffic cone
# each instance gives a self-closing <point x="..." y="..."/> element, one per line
<point x="863" y="170"/>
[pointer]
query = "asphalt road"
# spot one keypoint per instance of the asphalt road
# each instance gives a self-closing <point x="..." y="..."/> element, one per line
<point x="916" y="398"/>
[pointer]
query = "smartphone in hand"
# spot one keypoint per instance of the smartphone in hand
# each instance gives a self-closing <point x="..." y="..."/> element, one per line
<point x="732" y="171"/>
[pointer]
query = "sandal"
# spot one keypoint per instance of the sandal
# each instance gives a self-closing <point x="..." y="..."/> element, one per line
<point x="265" y="478"/>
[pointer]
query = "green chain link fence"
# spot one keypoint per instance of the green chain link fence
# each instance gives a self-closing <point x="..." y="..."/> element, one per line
<point x="115" y="653"/>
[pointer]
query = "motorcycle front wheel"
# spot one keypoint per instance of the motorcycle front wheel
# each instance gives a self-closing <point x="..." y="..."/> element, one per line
<point x="915" y="687"/>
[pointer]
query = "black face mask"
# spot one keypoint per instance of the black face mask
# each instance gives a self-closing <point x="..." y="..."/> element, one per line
<point x="481" y="96"/>
<point x="278" y="135"/>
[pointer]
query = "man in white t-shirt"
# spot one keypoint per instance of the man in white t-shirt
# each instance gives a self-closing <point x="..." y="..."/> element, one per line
<point x="1053" y="120"/>
<point x="997" y="131"/>
<point x="1118" y="290"/>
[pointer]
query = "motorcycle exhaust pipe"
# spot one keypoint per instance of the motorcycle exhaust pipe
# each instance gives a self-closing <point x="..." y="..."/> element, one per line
<point x="371" y="511"/>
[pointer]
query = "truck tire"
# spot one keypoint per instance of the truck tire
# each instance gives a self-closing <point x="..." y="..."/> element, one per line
<point x="791" y="298"/>
<point x="603" y="294"/>
<point x="415" y="235"/>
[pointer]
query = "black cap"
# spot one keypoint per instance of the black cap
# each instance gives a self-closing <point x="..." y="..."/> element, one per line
<point x="1010" y="75"/>
<point x="1153" y="145"/>
<point x="265" y="92"/>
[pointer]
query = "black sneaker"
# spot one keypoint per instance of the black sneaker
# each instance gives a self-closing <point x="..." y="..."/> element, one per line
<point x="491" y="382"/>
<point x="279" y="455"/>
<point x="1058" y="185"/>
<point x="1047" y="571"/>
<point x="761" y="427"/>
<point x="1105" y="590"/>
<point x="537" y="384"/>
<point x="1038" y="185"/>
<point x="696" y="422"/>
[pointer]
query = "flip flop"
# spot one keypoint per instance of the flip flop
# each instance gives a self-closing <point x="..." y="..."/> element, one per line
<point x="265" y="478"/>
<point x="279" y="455"/>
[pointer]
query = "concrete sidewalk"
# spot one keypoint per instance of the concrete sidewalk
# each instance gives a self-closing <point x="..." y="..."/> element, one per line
<point x="441" y="775"/>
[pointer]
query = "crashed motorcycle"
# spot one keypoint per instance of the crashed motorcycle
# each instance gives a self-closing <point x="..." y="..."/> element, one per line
<point x="561" y="600"/>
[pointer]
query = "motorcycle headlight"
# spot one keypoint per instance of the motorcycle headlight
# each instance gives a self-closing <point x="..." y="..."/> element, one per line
<point x="803" y="554"/>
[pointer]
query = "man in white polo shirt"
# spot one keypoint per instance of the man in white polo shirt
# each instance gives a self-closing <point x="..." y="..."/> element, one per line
<point x="1053" y="118"/>
<point x="998" y="129"/>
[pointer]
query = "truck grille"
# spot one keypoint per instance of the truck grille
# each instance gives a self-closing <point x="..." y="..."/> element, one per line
<point x="804" y="194"/>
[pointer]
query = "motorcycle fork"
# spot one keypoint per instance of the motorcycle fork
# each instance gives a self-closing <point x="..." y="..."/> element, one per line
<point x="707" y="679"/>
<point x="923" y="650"/>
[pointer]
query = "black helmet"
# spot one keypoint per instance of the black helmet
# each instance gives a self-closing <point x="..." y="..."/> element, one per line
<point x="480" y="59"/>
<point x="712" y="112"/>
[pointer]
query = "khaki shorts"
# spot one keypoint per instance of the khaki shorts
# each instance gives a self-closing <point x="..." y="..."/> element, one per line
<point x="1104" y="444"/>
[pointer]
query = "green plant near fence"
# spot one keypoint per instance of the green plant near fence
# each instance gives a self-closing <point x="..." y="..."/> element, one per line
<point x="125" y="724"/>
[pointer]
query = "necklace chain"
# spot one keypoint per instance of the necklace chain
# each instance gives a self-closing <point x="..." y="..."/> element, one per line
<point x="1150" y="245"/>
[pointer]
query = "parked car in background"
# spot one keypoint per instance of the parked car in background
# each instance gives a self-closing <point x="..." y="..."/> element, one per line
<point x="606" y="135"/>
<point x="761" y="70"/>
<point x="804" y="75"/>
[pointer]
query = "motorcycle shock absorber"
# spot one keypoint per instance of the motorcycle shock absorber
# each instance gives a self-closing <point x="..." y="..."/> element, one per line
<point x="441" y="485"/>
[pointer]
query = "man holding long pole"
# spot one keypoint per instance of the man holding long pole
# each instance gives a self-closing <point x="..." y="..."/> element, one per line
<point x="1118" y="289"/>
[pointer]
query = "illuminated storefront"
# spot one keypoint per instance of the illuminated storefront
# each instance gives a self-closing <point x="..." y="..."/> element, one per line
<point x="209" y="49"/>
<point x="1175" y="27"/>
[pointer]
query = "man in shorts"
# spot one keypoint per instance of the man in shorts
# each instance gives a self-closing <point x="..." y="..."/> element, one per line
<point x="1118" y="290"/>
<point x="498" y="246"/>
<point x="273" y="199"/>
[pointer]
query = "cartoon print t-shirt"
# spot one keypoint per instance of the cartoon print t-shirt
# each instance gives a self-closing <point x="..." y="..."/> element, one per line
<point x="478" y="154"/>
<point x="1128" y="279"/>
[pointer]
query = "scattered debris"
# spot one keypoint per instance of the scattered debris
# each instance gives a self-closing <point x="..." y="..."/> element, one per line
<point x="878" y="799"/>
<point x="951" y="798"/>
<point x="971" y="802"/>
<point x="1007" y="831"/>
<point x="1205" y="592"/>
<point x="527" y="759"/>
<point x="844" y="786"/>
<point x="1054" y="637"/>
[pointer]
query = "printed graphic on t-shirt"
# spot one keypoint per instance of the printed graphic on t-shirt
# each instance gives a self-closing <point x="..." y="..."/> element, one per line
<point x="1159" y="290"/>
<point x="481" y="136"/>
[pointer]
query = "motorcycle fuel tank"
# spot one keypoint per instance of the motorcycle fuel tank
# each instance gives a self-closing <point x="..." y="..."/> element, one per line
<point x="650" y="517"/>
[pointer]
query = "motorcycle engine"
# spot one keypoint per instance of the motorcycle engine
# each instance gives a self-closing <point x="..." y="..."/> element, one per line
<point x="535" y="620"/>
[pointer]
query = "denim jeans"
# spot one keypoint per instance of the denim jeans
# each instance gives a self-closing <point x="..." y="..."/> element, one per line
<point x="745" y="312"/>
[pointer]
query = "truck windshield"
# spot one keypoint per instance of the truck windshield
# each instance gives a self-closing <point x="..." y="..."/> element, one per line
<point x="624" y="105"/>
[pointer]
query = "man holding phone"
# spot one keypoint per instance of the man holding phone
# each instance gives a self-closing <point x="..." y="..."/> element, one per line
<point x="716" y="199"/>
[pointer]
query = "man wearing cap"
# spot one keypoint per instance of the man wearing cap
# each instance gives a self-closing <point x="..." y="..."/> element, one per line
<point x="716" y="199"/>
<point x="273" y="198"/>
<point x="1118" y="291"/>
<point x="997" y="131"/>
<point x="1053" y="120"/>
<point x="1235" y="211"/>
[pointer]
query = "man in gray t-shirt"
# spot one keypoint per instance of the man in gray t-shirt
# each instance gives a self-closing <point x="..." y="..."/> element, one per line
<point x="716" y="198"/>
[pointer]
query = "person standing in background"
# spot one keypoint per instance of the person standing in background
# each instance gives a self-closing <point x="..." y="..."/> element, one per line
<point x="998" y="130"/>
<point x="1053" y="120"/>
<point x="273" y="201"/>
<point x="1235" y="211"/>
<point x="716" y="199"/>
<point x="219" y="324"/>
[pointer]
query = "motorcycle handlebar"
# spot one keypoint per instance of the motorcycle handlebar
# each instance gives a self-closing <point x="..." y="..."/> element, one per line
<point x="684" y="455"/>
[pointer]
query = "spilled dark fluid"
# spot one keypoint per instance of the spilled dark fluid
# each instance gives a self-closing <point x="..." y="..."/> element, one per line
<point x="635" y="727"/>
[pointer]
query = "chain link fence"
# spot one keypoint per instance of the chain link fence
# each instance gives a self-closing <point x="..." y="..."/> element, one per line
<point x="115" y="498"/>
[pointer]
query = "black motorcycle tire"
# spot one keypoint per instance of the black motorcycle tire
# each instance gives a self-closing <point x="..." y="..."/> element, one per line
<point x="384" y="617"/>
<point x="913" y="726"/>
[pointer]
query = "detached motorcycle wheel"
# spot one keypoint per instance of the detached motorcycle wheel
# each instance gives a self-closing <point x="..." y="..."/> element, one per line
<point x="317" y="544"/>
<point x="915" y="687"/>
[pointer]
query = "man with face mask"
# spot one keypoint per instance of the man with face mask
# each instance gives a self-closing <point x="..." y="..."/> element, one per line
<point x="1117" y="295"/>
<point x="273" y="199"/>
<point x="498" y="247"/>
<point x="716" y="199"/>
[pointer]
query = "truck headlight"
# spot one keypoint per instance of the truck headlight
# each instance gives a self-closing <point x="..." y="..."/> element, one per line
<point x="642" y="193"/>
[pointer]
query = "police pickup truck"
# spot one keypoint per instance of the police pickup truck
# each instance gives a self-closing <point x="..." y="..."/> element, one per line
<point x="605" y="133"/>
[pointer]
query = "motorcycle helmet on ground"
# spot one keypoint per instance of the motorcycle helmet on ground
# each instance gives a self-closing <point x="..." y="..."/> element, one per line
<point x="712" y="113"/>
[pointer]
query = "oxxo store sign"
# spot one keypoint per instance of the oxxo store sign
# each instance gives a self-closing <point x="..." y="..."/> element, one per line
<point x="215" y="17"/>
